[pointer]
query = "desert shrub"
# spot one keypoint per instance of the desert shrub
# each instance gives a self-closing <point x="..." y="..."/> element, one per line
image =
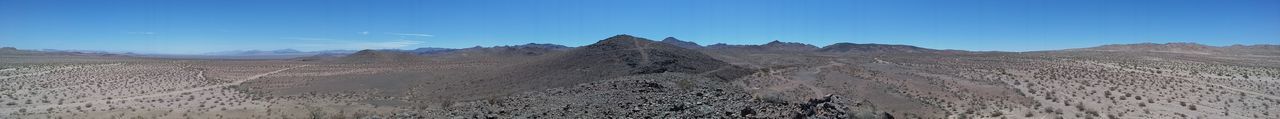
<point x="1079" y="106"/>
<point x="1091" y="113"/>
<point x="773" y="98"/>
<point x="317" y="113"/>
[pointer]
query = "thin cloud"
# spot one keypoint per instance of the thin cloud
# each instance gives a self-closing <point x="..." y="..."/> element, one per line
<point x="364" y="33"/>
<point x="325" y="43"/>
<point x="412" y="34"/>
<point x="385" y="44"/>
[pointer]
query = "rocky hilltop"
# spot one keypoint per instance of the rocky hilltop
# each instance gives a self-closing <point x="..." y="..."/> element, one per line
<point x="616" y="56"/>
<point x="680" y="43"/>
<point x="380" y="56"/>
<point x="627" y="55"/>
<point x="788" y="46"/>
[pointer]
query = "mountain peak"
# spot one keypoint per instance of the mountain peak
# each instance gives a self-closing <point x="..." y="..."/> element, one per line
<point x="622" y="41"/>
<point x="641" y="56"/>
<point x="620" y="37"/>
<point x="680" y="43"/>
<point x="670" y="39"/>
<point x="774" y="42"/>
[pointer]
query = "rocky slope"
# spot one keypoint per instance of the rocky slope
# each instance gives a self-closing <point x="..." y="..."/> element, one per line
<point x="626" y="55"/>
<point x="664" y="95"/>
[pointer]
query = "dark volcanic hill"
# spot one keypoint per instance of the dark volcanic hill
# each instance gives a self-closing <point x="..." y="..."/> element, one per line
<point x="634" y="55"/>
<point x="873" y="48"/>
<point x="616" y="56"/>
<point x="788" y="46"/>
<point x="380" y="56"/>
<point x="728" y="46"/>
<point x="680" y="43"/>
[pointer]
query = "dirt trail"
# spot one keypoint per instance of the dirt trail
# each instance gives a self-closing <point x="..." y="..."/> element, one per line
<point x="714" y="71"/>
<point x="809" y="78"/>
<point x="803" y="78"/>
<point x="9" y="110"/>
<point x="1187" y="79"/>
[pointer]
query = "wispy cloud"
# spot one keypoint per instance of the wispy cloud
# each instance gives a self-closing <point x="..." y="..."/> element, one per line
<point x="412" y="34"/>
<point x="326" y="43"/>
<point x="141" y="33"/>
<point x="386" y="44"/>
<point x="364" y="32"/>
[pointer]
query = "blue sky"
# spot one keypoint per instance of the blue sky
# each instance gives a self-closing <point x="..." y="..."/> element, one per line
<point x="198" y="26"/>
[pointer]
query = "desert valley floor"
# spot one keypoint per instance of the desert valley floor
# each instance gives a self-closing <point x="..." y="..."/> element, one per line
<point x="625" y="76"/>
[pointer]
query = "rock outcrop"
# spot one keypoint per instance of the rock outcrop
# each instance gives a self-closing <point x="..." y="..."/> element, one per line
<point x="663" y="95"/>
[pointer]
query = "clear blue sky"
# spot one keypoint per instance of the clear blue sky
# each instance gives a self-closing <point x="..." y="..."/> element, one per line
<point x="198" y="26"/>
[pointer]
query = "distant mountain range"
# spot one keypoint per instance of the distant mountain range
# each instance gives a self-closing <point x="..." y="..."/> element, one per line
<point x="278" y="52"/>
<point x="1190" y="48"/>
<point x="853" y="47"/>
<point x="538" y="49"/>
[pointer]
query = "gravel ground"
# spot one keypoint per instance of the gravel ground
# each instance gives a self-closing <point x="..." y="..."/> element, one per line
<point x="664" y="95"/>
